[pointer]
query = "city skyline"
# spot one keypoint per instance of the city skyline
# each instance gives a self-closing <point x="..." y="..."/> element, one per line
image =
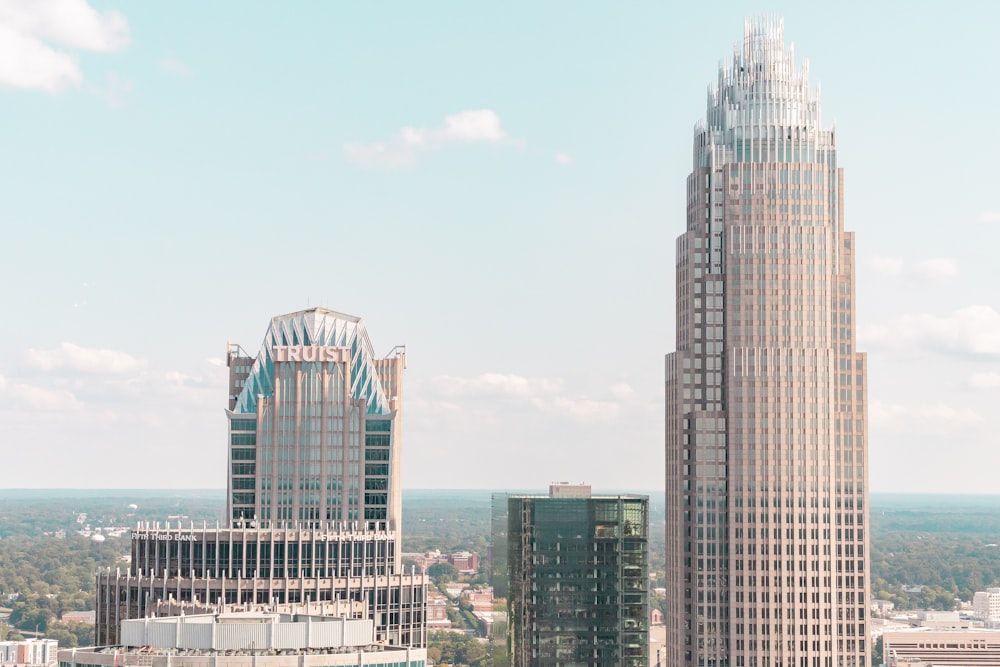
<point x="497" y="209"/>
<point x="766" y="393"/>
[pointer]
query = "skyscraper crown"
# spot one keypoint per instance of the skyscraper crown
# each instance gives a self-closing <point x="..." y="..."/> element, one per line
<point x="317" y="326"/>
<point x="760" y="86"/>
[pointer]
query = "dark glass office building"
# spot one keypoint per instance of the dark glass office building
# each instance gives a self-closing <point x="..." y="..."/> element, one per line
<point x="578" y="578"/>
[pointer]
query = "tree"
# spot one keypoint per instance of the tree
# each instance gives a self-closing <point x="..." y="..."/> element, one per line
<point x="442" y="572"/>
<point x="8" y="633"/>
<point x="459" y="649"/>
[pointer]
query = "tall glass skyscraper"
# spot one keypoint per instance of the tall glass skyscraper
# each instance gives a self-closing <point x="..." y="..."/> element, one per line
<point x="766" y="451"/>
<point x="314" y="425"/>
<point x="314" y="495"/>
<point x="578" y="575"/>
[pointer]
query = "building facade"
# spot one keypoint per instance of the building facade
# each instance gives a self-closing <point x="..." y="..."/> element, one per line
<point x="29" y="652"/>
<point x="465" y="562"/>
<point x="766" y="423"/>
<point x="237" y="638"/>
<point x="314" y="495"/>
<point x="314" y="428"/>
<point x="986" y="606"/>
<point x="578" y="580"/>
<point x="958" y="648"/>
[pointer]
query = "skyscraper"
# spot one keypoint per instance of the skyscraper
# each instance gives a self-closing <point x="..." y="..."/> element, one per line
<point x="578" y="578"/>
<point x="313" y="499"/>
<point x="314" y="423"/>
<point x="766" y="453"/>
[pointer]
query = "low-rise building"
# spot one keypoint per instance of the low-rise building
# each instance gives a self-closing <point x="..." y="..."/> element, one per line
<point x="942" y="620"/>
<point x="986" y="606"/>
<point x="28" y="652"/>
<point x="479" y="599"/>
<point x="88" y="617"/>
<point x="437" y="612"/>
<point x="955" y="648"/>
<point x="465" y="562"/>
<point x="882" y="607"/>
<point x="239" y="638"/>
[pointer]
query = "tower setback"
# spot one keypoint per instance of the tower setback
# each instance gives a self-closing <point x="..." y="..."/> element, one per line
<point x="766" y="424"/>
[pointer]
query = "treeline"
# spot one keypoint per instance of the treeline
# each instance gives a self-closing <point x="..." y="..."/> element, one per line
<point x="48" y="576"/>
<point x="447" y="520"/>
<point x="926" y="551"/>
<point x="33" y="513"/>
<point x="456" y="648"/>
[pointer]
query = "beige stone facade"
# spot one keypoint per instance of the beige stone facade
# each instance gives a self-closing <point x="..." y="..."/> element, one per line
<point x="961" y="648"/>
<point x="766" y="425"/>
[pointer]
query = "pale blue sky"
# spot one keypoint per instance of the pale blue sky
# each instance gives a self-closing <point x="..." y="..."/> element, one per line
<point x="175" y="174"/>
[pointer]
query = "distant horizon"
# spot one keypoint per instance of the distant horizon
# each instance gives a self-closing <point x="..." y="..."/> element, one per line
<point x="221" y="490"/>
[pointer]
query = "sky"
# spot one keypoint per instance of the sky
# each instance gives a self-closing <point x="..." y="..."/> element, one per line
<point x="496" y="185"/>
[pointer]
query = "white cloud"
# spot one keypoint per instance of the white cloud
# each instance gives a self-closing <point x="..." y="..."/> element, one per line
<point x="969" y="331"/>
<point x="889" y="266"/>
<point x="38" y="398"/>
<point x="496" y="384"/>
<point x="622" y="391"/>
<point x="48" y="400"/>
<point x="581" y="409"/>
<point x="470" y="126"/>
<point x="879" y="412"/>
<point x="543" y="394"/>
<point x="990" y="217"/>
<point x="82" y="360"/>
<point x="465" y="127"/>
<point x="39" y="41"/>
<point x="175" y="67"/>
<point x="936" y="416"/>
<point x="183" y="379"/>
<point x="563" y="158"/>
<point x="939" y="267"/>
<point x="986" y="380"/>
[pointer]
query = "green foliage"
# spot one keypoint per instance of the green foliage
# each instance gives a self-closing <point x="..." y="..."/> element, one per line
<point x="458" y="648"/>
<point x="56" y="574"/>
<point x="447" y="520"/>
<point x="51" y="575"/>
<point x="442" y="572"/>
<point x="947" y="545"/>
<point x="31" y="513"/>
<point x="71" y="634"/>
<point x="8" y="633"/>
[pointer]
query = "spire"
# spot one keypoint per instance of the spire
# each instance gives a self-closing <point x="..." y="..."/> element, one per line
<point x="761" y="84"/>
